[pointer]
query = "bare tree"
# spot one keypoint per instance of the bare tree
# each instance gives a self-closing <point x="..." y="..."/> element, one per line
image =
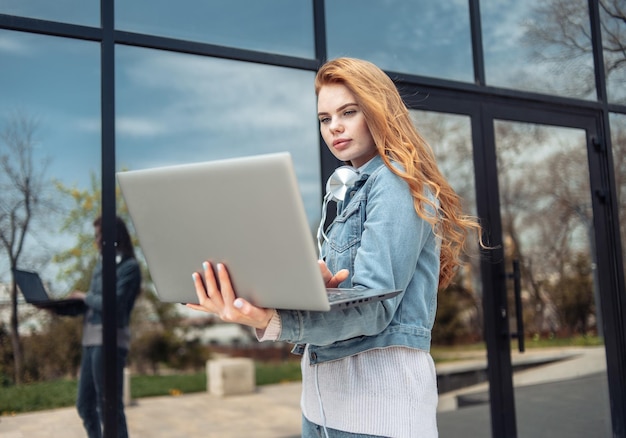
<point x="559" y="34"/>
<point x="618" y="140"/>
<point x="22" y="184"/>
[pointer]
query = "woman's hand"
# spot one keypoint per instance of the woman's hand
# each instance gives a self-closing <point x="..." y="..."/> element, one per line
<point x="223" y="302"/>
<point x="331" y="280"/>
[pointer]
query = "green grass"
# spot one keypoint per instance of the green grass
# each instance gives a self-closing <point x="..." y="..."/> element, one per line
<point x="62" y="393"/>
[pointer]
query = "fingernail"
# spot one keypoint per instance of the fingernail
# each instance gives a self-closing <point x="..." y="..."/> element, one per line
<point x="193" y="276"/>
<point x="205" y="266"/>
<point x="238" y="304"/>
<point x="220" y="266"/>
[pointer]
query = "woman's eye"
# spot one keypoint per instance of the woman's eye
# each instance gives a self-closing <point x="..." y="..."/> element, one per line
<point x="324" y="119"/>
<point x="349" y="112"/>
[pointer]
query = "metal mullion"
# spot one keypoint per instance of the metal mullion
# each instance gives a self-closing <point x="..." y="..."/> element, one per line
<point x="51" y="28"/>
<point x="212" y="50"/>
<point x="328" y="162"/>
<point x="477" y="42"/>
<point x="109" y="277"/>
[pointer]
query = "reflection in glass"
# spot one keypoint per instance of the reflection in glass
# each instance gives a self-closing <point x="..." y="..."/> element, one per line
<point x="174" y="108"/>
<point x="51" y="102"/>
<point x="547" y="223"/>
<point x="84" y="12"/>
<point x="277" y="26"/>
<point x="458" y="329"/>
<point x="539" y="45"/>
<point x="422" y="38"/>
<point x="618" y="144"/>
<point x="613" y="19"/>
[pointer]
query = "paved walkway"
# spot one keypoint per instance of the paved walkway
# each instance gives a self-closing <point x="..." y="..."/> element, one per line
<point x="273" y="411"/>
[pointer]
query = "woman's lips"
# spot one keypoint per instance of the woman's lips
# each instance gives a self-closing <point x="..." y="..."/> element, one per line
<point x="341" y="143"/>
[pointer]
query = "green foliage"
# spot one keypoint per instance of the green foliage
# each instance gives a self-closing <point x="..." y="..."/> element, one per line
<point x="62" y="392"/>
<point x="451" y="325"/>
<point x="6" y="357"/>
<point x="154" y="349"/>
<point x="55" y="351"/>
<point x="573" y="295"/>
<point x="86" y="206"/>
<point x="269" y="373"/>
<point x="38" y="396"/>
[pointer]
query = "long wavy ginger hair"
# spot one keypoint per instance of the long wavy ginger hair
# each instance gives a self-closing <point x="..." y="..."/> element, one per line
<point x="398" y="140"/>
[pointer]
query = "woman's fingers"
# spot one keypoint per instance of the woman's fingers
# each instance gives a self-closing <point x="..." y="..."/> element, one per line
<point x="326" y="274"/>
<point x="218" y="296"/>
<point x="331" y="280"/>
<point x="339" y="277"/>
<point x="226" y="285"/>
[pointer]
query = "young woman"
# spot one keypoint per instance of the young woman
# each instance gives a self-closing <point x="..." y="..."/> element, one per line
<point x="367" y="371"/>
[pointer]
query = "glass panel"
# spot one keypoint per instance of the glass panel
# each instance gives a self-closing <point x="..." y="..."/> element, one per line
<point x="84" y="12"/>
<point x="174" y="108"/>
<point x="458" y="347"/>
<point x="547" y="224"/>
<point x="613" y="19"/>
<point x="278" y="26"/>
<point x="618" y="143"/>
<point x="421" y="37"/>
<point x="50" y="133"/>
<point x="539" y="45"/>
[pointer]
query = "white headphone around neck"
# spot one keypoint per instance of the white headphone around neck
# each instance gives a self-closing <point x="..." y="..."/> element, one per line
<point x="342" y="180"/>
<point x="337" y="186"/>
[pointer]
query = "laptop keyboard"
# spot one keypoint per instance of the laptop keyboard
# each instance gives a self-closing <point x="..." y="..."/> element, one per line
<point x="344" y="294"/>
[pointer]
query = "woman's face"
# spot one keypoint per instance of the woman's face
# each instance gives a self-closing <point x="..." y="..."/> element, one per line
<point x="343" y="125"/>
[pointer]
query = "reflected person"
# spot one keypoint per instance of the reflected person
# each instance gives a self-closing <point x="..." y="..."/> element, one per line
<point x="89" y="401"/>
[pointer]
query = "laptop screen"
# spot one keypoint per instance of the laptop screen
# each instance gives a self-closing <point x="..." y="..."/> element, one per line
<point x="31" y="286"/>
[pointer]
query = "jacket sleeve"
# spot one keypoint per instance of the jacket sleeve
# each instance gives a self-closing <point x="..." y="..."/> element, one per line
<point x="393" y="236"/>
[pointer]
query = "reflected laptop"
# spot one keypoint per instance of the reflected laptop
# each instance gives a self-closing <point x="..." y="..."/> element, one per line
<point x="35" y="293"/>
<point x="244" y="212"/>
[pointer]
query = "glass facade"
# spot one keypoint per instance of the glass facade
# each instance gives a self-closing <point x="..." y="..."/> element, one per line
<point x="197" y="81"/>
<point x="277" y="26"/>
<point x="83" y="12"/>
<point x="539" y="46"/>
<point x="613" y="19"/>
<point x="420" y="38"/>
<point x="174" y="108"/>
<point x="618" y="143"/>
<point x="50" y="112"/>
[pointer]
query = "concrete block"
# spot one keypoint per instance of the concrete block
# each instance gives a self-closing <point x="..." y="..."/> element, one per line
<point x="230" y="376"/>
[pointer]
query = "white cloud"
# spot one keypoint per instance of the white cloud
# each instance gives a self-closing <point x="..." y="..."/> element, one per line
<point x="12" y="45"/>
<point x="138" y="127"/>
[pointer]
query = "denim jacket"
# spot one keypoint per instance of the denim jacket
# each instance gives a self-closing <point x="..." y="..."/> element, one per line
<point x="128" y="285"/>
<point x="380" y="239"/>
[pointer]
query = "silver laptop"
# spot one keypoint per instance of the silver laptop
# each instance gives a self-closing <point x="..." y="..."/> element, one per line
<point x="244" y="212"/>
<point x="35" y="293"/>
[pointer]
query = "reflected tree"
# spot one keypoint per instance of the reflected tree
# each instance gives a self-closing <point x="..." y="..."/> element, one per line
<point x="459" y="312"/>
<point x="22" y="187"/>
<point x="618" y="140"/>
<point x="559" y="34"/>
<point x="547" y="219"/>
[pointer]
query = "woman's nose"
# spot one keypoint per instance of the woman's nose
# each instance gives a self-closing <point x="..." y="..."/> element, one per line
<point x="335" y="125"/>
